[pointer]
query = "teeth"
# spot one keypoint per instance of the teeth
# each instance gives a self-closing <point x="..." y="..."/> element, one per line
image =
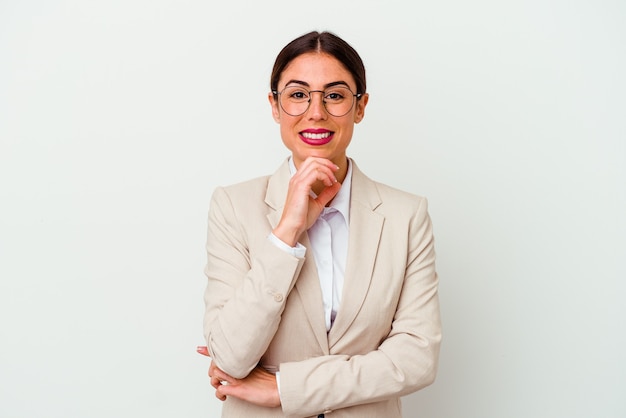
<point x="309" y="135"/>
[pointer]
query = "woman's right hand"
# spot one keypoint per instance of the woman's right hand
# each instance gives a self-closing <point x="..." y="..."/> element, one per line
<point x="301" y="209"/>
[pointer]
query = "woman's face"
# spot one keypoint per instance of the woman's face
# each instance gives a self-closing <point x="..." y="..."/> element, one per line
<point x="316" y="132"/>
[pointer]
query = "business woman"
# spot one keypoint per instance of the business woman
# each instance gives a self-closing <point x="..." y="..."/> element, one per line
<point x="321" y="298"/>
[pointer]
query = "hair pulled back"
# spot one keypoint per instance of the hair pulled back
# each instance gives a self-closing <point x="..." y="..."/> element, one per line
<point x="324" y="42"/>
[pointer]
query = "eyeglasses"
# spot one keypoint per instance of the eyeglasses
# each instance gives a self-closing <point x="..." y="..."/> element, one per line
<point x="338" y="100"/>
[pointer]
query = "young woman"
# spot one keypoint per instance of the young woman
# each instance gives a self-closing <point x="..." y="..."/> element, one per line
<point x="322" y="292"/>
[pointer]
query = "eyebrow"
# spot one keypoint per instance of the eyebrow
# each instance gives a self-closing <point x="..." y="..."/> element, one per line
<point x="304" y="83"/>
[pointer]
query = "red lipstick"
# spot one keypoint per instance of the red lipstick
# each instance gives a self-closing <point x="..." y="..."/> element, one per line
<point x="316" y="137"/>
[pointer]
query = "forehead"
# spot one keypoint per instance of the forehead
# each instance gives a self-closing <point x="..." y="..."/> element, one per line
<point x="316" y="69"/>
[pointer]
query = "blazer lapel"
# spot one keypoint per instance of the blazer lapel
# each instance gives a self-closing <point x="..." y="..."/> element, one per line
<point x="364" y="237"/>
<point x="310" y="293"/>
<point x="307" y="287"/>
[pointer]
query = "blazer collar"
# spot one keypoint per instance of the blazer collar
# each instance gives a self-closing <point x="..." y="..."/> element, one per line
<point x="277" y="187"/>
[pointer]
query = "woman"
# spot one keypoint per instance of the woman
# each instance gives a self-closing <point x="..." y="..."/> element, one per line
<point x="322" y="291"/>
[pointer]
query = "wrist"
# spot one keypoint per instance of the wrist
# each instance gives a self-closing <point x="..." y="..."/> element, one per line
<point x="289" y="236"/>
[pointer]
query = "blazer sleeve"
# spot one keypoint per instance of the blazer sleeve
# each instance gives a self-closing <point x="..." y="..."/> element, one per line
<point x="405" y="361"/>
<point x="245" y="295"/>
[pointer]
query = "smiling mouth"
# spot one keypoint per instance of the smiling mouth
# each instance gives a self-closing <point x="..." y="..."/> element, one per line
<point x="316" y="136"/>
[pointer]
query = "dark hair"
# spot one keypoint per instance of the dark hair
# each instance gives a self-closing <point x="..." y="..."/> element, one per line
<point x="324" y="42"/>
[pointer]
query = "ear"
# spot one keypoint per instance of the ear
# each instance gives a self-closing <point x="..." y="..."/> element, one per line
<point x="274" y="104"/>
<point x="360" y="108"/>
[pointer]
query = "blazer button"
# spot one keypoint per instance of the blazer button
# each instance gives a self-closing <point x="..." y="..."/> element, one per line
<point x="278" y="297"/>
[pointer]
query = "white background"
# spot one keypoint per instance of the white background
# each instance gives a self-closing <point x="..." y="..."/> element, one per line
<point x="118" y="118"/>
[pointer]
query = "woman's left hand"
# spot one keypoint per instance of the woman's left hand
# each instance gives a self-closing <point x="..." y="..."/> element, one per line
<point x="259" y="387"/>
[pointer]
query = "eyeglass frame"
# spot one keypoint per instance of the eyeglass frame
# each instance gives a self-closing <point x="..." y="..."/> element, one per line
<point x="278" y="93"/>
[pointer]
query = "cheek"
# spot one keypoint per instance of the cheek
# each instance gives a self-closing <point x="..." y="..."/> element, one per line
<point x="287" y="132"/>
<point x="285" y="128"/>
<point x="348" y="129"/>
<point x="287" y="123"/>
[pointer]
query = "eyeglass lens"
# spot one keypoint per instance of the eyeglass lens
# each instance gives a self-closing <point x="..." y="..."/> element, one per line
<point x="295" y="100"/>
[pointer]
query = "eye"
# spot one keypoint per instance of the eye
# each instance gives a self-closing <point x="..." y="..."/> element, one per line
<point x="334" y="96"/>
<point x="296" y="94"/>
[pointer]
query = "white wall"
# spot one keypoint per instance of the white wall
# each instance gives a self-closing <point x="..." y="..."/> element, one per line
<point x="118" y="118"/>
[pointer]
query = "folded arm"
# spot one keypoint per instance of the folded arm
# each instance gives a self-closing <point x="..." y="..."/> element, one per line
<point x="245" y="294"/>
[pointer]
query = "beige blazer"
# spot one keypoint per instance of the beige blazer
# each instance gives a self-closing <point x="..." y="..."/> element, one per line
<point x="264" y="305"/>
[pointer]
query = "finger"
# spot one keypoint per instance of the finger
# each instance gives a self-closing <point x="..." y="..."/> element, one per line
<point x="219" y="395"/>
<point x="216" y="382"/>
<point x="218" y="378"/>
<point x="203" y="349"/>
<point x="225" y="390"/>
<point x="305" y="181"/>
<point x="315" y="166"/>
<point x="319" y="161"/>
<point x="213" y="370"/>
<point x="213" y="374"/>
<point x="328" y="194"/>
<point x="224" y="378"/>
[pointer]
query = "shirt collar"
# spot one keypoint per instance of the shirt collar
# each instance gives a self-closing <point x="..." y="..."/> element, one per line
<point x="341" y="201"/>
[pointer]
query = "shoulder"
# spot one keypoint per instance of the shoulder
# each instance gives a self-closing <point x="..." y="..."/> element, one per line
<point x="390" y="193"/>
<point x="253" y="186"/>
<point x="257" y="190"/>
<point x="241" y="196"/>
<point x="399" y="204"/>
<point x="386" y="199"/>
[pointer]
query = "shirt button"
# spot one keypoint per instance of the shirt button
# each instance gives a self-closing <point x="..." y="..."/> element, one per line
<point x="278" y="297"/>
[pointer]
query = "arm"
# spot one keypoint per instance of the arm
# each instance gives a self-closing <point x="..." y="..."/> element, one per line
<point x="245" y="293"/>
<point x="403" y="363"/>
<point x="259" y="387"/>
<point x="247" y="288"/>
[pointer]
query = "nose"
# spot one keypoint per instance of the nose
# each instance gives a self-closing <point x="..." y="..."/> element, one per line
<point x="317" y="109"/>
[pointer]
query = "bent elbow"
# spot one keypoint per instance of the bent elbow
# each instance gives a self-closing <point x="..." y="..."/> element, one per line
<point x="427" y="373"/>
<point x="232" y="362"/>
